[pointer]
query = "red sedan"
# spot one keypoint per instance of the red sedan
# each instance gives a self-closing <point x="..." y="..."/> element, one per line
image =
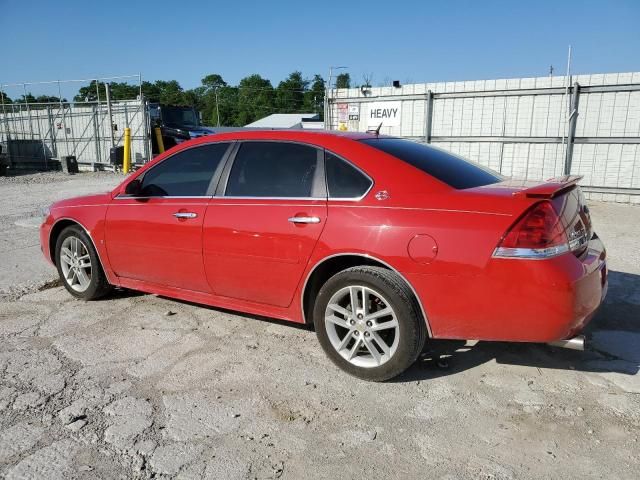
<point x="380" y="242"/>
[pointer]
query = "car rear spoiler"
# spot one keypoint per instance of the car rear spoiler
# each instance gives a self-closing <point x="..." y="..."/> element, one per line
<point x="551" y="188"/>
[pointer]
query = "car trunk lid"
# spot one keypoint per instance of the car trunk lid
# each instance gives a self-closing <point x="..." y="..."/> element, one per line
<point x="569" y="217"/>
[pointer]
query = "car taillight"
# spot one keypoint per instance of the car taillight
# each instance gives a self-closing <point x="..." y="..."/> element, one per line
<point x="539" y="233"/>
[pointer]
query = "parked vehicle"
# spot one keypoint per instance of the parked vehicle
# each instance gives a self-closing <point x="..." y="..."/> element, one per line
<point x="177" y="124"/>
<point x="380" y="242"/>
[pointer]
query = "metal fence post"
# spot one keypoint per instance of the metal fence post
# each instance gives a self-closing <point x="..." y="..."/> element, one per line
<point x="573" y="120"/>
<point x="147" y="135"/>
<point x="428" y="117"/>
<point x="7" y="131"/>
<point x="54" y="146"/>
<point x="327" y="111"/>
<point x="64" y="124"/>
<point x="107" y="89"/>
<point x="95" y="132"/>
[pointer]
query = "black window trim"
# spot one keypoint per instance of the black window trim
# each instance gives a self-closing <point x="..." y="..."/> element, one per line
<point x="347" y="199"/>
<point x="215" y="179"/>
<point x="319" y="187"/>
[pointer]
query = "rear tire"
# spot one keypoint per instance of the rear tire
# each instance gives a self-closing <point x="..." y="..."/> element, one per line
<point x="79" y="265"/>
<point x="382" y="336"/>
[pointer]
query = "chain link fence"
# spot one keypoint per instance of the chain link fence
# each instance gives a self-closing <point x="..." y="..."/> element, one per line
<point x="534" y="128"/>
<point x="38" y="136"/>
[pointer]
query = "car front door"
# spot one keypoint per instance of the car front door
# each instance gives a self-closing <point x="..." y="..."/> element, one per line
<point x="260" y="231"/>
<point x="156" y="235"/>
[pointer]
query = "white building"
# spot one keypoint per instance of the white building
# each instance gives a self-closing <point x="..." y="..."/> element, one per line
<point x="285" y="120"/>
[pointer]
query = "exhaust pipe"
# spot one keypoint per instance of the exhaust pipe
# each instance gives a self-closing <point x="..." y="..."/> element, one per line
<point x="575" y="343"/>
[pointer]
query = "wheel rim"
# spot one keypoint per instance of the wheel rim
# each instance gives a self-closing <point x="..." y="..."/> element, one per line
<point x="362" y="326"/>
<point x="75" y="262"/>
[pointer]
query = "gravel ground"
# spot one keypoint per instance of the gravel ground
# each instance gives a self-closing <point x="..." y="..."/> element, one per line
<point x="136" y="386"/>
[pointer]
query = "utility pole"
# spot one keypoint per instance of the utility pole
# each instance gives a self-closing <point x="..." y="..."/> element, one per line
<point x="328" y="90"/>
<point x="566" y="99"/>
<point x="6" y="125"/>
<point x="573" y="120"/>
<point x="215" y="89"/>
<point x="107" y="89"/>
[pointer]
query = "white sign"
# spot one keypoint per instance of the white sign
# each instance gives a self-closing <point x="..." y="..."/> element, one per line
<point x="354" y="111"/>
<point x="387" y="113"/>
<point x="343" y="109"/>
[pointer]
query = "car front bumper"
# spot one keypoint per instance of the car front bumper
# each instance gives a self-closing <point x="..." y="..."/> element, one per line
<point x="45" y="231"/>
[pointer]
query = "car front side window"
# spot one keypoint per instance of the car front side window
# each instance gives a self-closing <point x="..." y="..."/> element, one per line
<point x="186" y="174"/>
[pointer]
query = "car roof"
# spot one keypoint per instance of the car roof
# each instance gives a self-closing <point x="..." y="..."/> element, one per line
<point x="311" y="136"/>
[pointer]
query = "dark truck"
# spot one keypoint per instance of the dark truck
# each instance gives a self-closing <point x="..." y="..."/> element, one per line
<point x="177" y="124"/>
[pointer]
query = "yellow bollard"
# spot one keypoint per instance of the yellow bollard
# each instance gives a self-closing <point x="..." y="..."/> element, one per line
<point x="159" y="139"/>
<point x="126" y="162"/>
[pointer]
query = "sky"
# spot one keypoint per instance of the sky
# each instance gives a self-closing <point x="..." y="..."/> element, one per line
<point x="411" y="41"/>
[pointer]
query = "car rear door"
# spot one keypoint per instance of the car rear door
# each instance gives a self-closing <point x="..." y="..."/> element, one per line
<point x="156" y="236"/>
<point x="261" y="228"/>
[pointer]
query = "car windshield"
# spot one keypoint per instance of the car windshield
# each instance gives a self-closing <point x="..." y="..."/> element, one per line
<point x="179" y="117"/>
<point x="446" y="167"/>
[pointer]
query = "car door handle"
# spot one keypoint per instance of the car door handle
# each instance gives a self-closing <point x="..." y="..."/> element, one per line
<point x="185" y="215"/>
<point x="304" y="220"/>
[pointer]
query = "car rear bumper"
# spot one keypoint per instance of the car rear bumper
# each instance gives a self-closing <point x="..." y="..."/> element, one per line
<point x="517" y="300"/>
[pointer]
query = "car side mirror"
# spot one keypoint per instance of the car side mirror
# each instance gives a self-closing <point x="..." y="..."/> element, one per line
<point x="133" y="188"/>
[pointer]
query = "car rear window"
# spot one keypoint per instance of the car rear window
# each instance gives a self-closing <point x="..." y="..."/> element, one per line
<point x="446" y="167"/>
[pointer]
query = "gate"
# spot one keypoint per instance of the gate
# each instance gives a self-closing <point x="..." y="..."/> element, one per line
<point x="39" y="135"/>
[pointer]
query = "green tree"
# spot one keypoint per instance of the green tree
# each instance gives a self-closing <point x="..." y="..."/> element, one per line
<point x="118" y="91"/>
<point x="343" y="80"/>
<point x="4" y="98"/>
<point x="314" y="96"/>
<point x="88" y="93"/>
<point x="253" y="98"/>
<point x="213" y="80"/>
<point x="171" y="92"/>
<point x="36" y="102"/>
<point x="218" y="96"/>
<point x="256" y="99"/>
<point x="151" y="91"/>
<point x="290" y="93"/>
<point x="194" y="97"/>
<point x="122" y="91"/>
<point x="164" y="91"/>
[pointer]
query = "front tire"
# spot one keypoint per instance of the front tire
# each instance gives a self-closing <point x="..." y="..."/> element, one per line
<point x="368" y="323"/>
<point x="79" y="265"/>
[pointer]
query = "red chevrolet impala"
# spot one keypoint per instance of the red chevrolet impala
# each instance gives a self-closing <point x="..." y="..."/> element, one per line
<point x="380" y="242"/>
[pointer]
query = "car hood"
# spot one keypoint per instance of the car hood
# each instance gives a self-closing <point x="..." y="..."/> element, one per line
<point x="84" y="200"/>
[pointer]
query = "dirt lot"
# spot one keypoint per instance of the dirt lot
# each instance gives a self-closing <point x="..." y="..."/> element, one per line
<point x="141" y="386"/>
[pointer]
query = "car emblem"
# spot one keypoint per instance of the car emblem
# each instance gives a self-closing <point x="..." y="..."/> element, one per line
<point x="382" y="195"/>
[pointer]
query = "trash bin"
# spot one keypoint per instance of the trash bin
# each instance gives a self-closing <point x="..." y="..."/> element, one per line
<point x="69" y="164"/>
<point x="116" y="155"/>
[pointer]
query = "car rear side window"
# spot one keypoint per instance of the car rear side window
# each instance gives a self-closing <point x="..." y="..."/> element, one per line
<point x="446" y="167"/>
<point x="273" y="169"/>
<point x="343" y="179"/>
<point x="185" y="174"/>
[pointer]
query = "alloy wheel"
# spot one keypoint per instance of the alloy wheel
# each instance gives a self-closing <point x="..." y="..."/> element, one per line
<point x="362" y="326"/>
<point x="75" y="262"/>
